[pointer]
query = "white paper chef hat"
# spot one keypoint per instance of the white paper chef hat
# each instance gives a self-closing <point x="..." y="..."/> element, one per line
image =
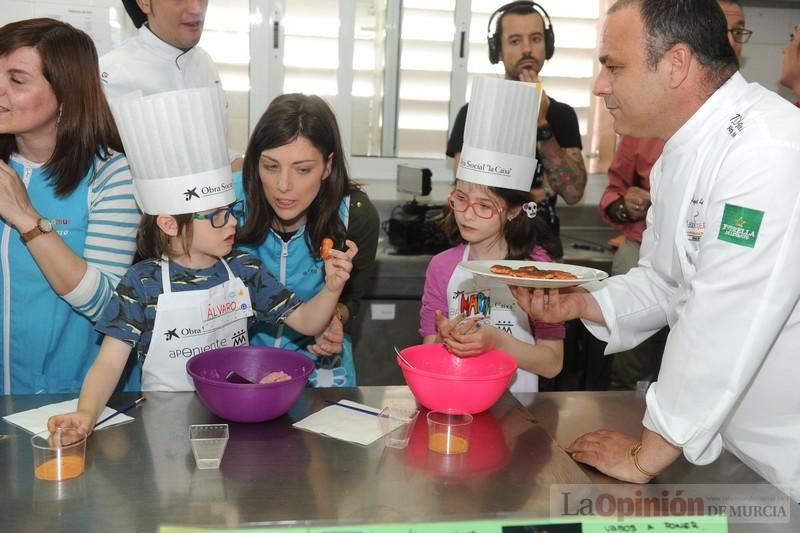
<point x="500" y="134"/>
<point x="176" y="147"/>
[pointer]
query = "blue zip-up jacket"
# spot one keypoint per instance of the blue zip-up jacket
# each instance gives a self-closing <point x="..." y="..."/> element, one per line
<point x="48" y="344"/>
<point x="294" y="265"/>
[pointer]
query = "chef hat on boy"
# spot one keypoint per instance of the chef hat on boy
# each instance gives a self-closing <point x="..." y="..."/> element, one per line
<point x="176" y="147"/>
<point x="500" y="134"/>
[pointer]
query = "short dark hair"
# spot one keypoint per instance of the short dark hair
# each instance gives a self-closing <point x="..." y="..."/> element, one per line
<point x="699" y="24"/>
<point x="136" y="14"/>
<point x="517" y="9"/>
<point x="69" y="64"/>
<point x="288" y="117"/>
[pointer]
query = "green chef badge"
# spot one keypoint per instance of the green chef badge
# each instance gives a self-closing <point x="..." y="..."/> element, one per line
<point x="740" y="225"/>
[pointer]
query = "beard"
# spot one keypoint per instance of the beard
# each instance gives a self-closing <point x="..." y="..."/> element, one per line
<point x="525" y="63"/>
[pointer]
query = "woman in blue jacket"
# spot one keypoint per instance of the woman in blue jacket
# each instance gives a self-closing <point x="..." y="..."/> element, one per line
<point x="67" y="213"/>
<point x="297" y="192"/>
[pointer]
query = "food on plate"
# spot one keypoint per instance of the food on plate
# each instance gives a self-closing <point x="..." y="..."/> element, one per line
<point x="531" y="272"/>
<point x="327" y="246"/>
<point x="501" y="269"/>
<point x="274" y="377"/>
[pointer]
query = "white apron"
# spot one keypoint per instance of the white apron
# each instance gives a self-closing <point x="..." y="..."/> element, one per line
<point x="471" y="295"/>
<point x="191" y="322"/>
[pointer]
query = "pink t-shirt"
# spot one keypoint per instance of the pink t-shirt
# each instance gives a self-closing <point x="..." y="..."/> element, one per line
<point x="434" y="296"/>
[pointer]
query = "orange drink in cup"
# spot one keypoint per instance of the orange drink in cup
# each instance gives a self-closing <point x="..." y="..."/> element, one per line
<point x="449" y="433"/>
<point x="58" y="455"/>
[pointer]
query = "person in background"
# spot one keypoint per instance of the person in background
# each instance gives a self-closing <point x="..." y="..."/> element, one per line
<point x="160" y="306"/>
<point x="68" y="215"/>
<point x="164" y="55"/>
<point x="297" y="192"/>
<point x="624" y="204"/>
<point x="523" y="41"/>
<point x="738" y="34"/>
<point x="718" y="258"/>
<point x="790" y="65"/>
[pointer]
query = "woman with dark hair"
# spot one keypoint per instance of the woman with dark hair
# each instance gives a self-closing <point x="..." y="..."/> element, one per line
<point x="68" y="213"/>
<point x="297" y="193"/>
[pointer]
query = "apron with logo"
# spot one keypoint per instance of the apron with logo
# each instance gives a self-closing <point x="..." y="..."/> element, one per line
<point x="470" y="295"/>
<point x="192" y="322"/>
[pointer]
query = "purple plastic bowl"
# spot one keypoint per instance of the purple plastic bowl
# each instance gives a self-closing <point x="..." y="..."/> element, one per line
<point x="244" y="402"/>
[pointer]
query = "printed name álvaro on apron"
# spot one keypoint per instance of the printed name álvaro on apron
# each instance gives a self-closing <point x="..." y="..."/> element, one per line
<point x="471" y="296"/>
<point x="191" y="322"/>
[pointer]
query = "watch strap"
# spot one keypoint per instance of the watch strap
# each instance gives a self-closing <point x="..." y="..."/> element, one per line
<point x="37" y="230"/>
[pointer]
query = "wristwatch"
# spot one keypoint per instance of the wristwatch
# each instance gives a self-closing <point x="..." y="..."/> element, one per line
<point x="545" y="133"/>
<point x="620" y="213"/>
<point x="42" y="227"/>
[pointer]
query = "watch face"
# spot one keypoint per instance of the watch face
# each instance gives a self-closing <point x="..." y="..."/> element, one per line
<point x="45" y="225"/>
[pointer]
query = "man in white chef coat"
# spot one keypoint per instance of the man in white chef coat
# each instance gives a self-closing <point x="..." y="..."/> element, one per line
<point x="719" y="256"/>
<point x="164" y="55"/>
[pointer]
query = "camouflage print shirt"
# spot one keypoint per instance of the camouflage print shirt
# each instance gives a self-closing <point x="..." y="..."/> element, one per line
<point x="131" y="313"/>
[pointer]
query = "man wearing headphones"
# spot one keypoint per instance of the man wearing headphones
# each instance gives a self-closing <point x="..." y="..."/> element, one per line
<point x="523" y="40"/>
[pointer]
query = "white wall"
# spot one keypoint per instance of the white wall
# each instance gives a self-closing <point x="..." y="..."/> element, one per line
<point x="762" y="55"/>
<point x="105" y="20"/>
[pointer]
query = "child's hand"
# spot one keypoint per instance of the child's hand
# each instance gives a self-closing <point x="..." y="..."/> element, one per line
<point x="338" y="266"/>
<point x="447" y="327"/>
<point x="329" y="342"/>
<point x="80" y="421"/>
<point x="472" y="339"/>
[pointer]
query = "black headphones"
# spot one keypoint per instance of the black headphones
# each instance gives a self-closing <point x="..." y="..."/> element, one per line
<point x="493" y="39"/>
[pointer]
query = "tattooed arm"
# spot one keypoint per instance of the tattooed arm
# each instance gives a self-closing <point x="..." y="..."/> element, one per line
<point x="563" y="169"/>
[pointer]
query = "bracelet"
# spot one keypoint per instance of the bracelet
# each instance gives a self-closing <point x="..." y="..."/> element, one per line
<point x="634" y="452"/>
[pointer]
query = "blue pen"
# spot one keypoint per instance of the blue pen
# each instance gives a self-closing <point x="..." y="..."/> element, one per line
<point x="126" y="408"/>
<point x="353" y="407"/>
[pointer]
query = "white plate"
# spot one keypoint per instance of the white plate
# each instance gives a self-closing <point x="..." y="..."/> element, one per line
<point x="582" y="274"/>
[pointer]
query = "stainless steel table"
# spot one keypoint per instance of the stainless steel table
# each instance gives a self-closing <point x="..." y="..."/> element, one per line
<point x="142" y="474"/>
<point x="567" y="415"/>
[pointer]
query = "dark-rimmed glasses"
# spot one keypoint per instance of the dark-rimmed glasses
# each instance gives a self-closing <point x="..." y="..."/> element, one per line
<point x="219" y="217"/>
<point x="460" y="203"/>
<point x="740" y="35"/>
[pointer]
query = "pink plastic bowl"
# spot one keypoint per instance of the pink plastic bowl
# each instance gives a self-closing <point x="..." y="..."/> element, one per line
<point x="245" y="402"/>
<point x="442" y="381"/>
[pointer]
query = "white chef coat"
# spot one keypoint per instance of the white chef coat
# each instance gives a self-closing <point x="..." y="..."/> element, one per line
<point x="148" y="64"/>
<point x="730" y="375"/>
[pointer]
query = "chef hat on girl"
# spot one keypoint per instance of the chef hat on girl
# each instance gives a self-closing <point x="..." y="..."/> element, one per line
<point x="176" y="147"/>
<point x="500" y="134"/>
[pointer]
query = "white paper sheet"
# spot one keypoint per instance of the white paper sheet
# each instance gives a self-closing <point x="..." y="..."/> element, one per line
<point x="339" y="422"/>
<point x="35" y="420"/>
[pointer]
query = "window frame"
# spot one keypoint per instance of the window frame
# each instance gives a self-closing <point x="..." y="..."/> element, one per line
<point x="267" y="76"/>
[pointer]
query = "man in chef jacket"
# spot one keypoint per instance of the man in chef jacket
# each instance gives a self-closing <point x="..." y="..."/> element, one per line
<point x="164" y="55"/>
<point x="718" y="258"/>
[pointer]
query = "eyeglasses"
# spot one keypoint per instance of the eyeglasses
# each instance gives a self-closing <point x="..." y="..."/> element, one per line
<point x="740" y="35"/>
<point x="219" y="217"/>
<point x="460" y="203"/>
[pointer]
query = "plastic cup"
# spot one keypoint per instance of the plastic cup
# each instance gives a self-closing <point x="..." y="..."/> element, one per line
<point x="397" y="424"/>
<point x="448" y="433"/>
<point x="208" y="444"/>
<point x="58" y="455"/>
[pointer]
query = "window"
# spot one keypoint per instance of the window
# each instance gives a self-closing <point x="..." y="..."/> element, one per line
<point x="226" y="37"/>
<point x="395" y="72"/>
